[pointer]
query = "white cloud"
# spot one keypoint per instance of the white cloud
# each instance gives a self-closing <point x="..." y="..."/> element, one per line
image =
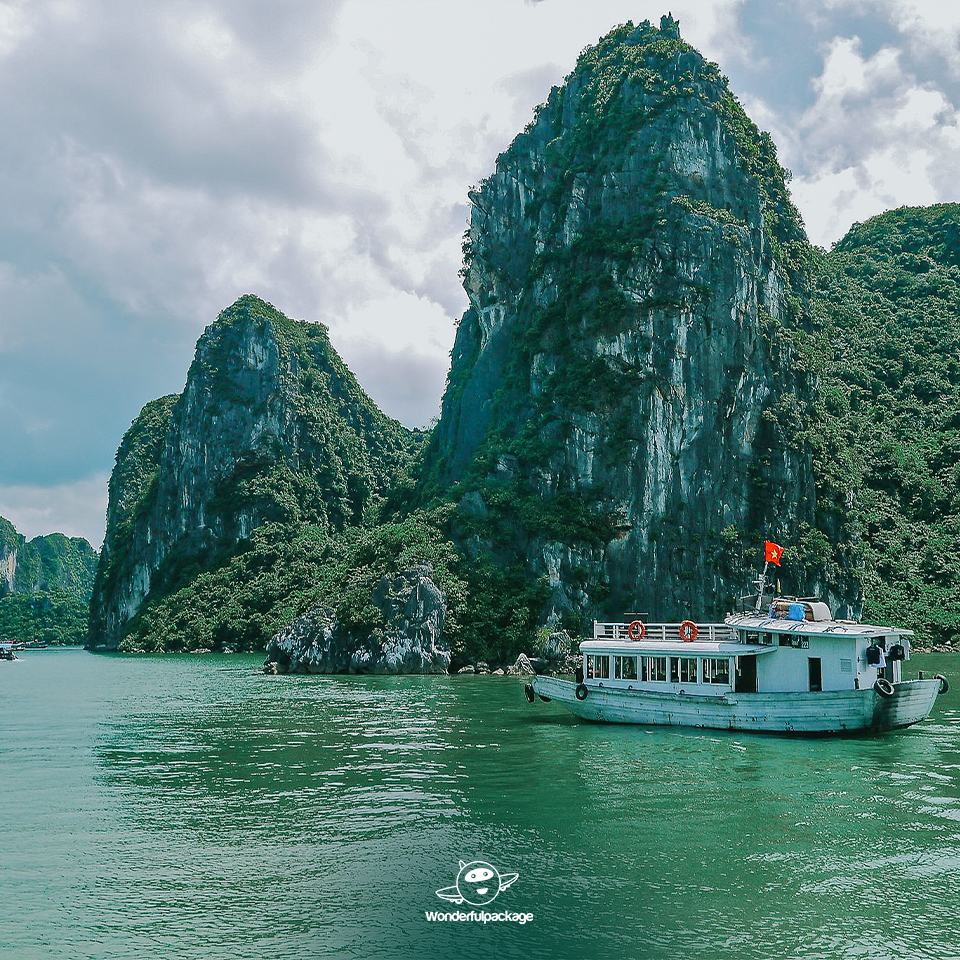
<point x="162" y="159"/>
<point x="847" y="74"/>
<point x="872" y="139"/>
<point x="76" y="509"/>
<point x="15" y="26"/>
<point x="932" y="25"/>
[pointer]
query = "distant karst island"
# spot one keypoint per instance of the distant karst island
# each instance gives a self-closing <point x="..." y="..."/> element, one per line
<point x="45" y="587"/>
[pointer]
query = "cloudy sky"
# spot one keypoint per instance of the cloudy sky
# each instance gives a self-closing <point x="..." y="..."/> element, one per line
<point x="161" y="158"/>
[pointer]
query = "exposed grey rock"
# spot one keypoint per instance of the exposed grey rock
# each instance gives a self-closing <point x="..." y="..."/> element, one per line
<point x="554" y="647"/>
<point x="675" y="412"/>
<point x="522" y="668"/>
<point x="409" y="641"/>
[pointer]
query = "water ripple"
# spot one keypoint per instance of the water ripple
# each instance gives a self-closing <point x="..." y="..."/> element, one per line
<point x="191" y="807"/>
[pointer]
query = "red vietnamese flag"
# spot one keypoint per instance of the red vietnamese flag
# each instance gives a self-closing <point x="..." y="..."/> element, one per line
<point x="772" y="552"/>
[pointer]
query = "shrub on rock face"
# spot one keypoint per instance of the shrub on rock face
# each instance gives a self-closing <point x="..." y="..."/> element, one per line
<point x="411" y="611"/>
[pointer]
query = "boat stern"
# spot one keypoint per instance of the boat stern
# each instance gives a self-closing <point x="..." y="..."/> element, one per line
<point x="898" y="705"/>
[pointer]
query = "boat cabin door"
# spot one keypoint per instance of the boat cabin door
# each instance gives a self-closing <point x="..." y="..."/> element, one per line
<point x="746" y="675"/>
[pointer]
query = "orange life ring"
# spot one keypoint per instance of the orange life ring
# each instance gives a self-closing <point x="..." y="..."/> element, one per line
<point x="688" y="631"/>
<point x="637" y="635"/>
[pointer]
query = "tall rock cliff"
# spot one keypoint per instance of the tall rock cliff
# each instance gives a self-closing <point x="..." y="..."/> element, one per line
<point x="271" y="428"/>
<point x="626" y="411"/>
<point x="10" y="545"/>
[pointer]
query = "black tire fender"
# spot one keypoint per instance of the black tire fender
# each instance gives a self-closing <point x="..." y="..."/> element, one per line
<point x="528" y="692"/>
<point x="581" y="692"/>
<point x="884" y="687"/>
<point x="944" y="685"/>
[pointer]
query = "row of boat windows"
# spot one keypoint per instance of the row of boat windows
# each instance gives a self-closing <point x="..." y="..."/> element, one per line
<point x="659" y="669"/>
<point x="784" y="639"/>
<point x="770" y="639"/>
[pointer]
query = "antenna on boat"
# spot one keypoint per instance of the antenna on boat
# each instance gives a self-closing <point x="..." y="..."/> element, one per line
<point x="761" y="584"/>
<point x="772" y="552"/>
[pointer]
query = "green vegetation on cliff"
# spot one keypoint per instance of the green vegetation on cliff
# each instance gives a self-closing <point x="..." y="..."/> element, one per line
<point x="132" y="489"/>
<point x="888" y="299"/>
<point x="55" y="617"/>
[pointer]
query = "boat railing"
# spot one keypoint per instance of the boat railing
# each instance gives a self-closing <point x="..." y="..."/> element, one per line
<point x="662" y="631"/>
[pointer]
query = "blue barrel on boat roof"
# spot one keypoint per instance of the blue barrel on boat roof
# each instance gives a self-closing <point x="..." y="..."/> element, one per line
<point x="796" y="612"/>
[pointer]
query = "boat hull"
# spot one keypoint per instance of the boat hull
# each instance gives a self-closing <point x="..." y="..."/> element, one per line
<point x="830" y="712"/>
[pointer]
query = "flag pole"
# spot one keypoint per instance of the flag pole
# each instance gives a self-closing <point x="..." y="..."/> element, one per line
<point x="761" y="585"/>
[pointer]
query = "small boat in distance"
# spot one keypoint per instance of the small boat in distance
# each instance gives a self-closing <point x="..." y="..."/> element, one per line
<point x="7" y="648"/>
<point x="790" y="668"/>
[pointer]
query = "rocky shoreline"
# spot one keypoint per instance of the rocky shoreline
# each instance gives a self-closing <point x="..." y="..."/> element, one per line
<point x="409" y="638"/>
<point x="523" y="666"/>
<point x="406" y="634"/>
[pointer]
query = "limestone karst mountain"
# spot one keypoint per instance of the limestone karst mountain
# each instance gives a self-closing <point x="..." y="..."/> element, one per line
<point x="271" y="429"/>
<point x="629" y="404"/>
<point x="639" y="395"/>
<point x="45" y="586"/>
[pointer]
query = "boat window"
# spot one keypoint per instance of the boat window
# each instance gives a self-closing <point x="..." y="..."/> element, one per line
<point x="683" y="669"/>
<point x="598" y="667"/>
<point x="655" y="668"/>
<point x="625" y="668"/>
<point x="716" y="670"/>
<point x="752" y="636"/>
<point x="784" y="640"/>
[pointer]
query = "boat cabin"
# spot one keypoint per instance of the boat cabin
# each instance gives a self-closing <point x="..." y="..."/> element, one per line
<point x="795" y="647"/>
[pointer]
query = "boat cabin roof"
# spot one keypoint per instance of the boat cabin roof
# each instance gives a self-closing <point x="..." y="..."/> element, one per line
<point x="814" y="628"/>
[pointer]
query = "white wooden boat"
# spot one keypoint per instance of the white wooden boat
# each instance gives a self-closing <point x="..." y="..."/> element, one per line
<point x="793" y="669"/>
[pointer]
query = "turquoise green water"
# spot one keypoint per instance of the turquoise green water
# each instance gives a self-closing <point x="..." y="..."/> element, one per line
<point x="189" y="807"/>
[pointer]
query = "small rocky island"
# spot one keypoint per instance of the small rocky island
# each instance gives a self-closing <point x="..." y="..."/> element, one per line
<point x="411" y="640"/>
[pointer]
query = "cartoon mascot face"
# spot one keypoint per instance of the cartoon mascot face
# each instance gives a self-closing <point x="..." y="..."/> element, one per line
<point x="478" y="883"/>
